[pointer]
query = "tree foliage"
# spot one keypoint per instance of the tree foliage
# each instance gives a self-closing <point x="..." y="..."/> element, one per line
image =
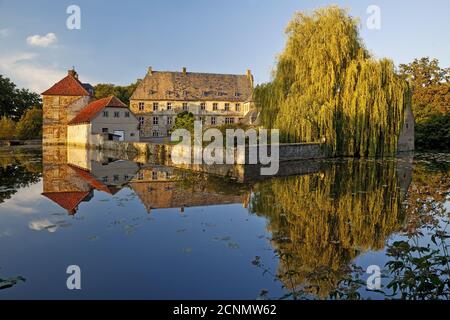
<point x="434" y="133"/>
<point x="13" y="101"/>
<point x="327" y="87"/>
<point x="124" y="93"/>
<point x="30" y="125"/>
<point x="7" y="128"/>
<point x="431" y="87"/>
<point x="184" y="120"/>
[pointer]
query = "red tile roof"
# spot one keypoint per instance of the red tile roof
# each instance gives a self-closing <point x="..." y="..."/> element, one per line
<point x="67" y="200"/>
<point x="88" y="177"/>
<point x="69" y="86"/>
<point x="94" y="108"/>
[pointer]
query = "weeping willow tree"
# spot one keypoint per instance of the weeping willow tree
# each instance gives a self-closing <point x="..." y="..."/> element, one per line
<point x="327" y="88"/>
<point x="322" y="222"/>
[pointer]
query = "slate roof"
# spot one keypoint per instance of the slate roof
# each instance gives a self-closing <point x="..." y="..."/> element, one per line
<point x="191" y="86"/>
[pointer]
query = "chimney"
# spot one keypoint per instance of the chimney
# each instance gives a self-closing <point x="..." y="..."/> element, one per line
<point x="184" y="70"/>
<point x="250" y="76"/>
<point x="73" y="73"/>
<point x="150" y="70"/>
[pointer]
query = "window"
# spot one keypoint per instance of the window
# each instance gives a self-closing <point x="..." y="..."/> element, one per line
<point x="213" y="121"/>
<point x="185" y="106"/>
<point x="141" y="121"/>
<point x="105" y="130"/>
<point x="169" y="120"/>
<point x="105" y="114"/>
<point x="229" y="120"/>
<point x="155" y="133"/>
<point x="203" y="106"/>
<point x="116" y="114"/>
<point x="127" y="114"/>
<point x="169" y="105"/>
<point x="168" y="175"/>
<point x="141" y="106"/>
<point x="215" y="106"/>
<point x="116" y="178"/>
<point x="105" y="179"/>
<point x="227" y="107"/>
<point x="155" y="120"/>
<point x="154" y="175"/>
<point x="132" y="134"/>
<point x="238" y="107"/>
<point x="140" y="176"/>
<point x="155" y="106"/>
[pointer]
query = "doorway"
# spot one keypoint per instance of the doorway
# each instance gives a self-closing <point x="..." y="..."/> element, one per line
<point x="120" y="134"/>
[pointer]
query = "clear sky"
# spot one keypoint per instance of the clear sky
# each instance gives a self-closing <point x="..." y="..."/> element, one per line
<point x="118" y="40"/>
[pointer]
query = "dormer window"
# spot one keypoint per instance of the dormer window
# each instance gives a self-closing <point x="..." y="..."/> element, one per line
<point x="237" y="94"/>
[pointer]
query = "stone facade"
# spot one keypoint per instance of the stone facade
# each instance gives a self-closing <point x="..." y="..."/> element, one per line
<point x="57" y="112"/>
<point x="72" y="115"/>
<point x="215" y="99"/>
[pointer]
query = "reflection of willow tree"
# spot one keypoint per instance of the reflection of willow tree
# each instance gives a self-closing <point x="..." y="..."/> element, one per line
<point x="18" y="169"/>
<point x="322" y="222"/>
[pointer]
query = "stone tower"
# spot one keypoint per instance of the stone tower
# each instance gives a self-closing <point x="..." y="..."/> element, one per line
<point x="61" y="103"/>
<point x="406" y="139"/>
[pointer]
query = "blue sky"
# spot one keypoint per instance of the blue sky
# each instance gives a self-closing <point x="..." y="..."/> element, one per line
<point x="118" y="40"/>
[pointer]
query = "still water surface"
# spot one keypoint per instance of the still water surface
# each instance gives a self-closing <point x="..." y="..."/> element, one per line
<point x="149" y="231"/>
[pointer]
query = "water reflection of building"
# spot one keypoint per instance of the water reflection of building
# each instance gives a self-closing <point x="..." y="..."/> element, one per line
<point x="70" y="176"/>
<point x="163" y="187"/>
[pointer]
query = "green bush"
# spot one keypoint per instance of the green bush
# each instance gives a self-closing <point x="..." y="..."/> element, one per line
<point x="30" y="125"/>
<point x="434" y="133"/>
<point x="7" y="128"/>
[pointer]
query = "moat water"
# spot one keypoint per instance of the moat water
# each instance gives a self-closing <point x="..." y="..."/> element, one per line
<point x="142" y="230"/>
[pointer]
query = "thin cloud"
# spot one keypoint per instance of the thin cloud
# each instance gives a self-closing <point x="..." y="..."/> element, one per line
<point x="5" y="32"/>
<point x="24" y="69"/>
<point x="42" y="41"/>
<point x="43" y="225"/>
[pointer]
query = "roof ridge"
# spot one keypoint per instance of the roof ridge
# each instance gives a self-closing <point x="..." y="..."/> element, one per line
<point x="201" y="73"/>
<point x="63" y="87"/>
<point x="94" y="108"/>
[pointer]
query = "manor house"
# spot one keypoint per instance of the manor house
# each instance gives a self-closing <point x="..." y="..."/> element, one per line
<point x="215" y="99"/>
